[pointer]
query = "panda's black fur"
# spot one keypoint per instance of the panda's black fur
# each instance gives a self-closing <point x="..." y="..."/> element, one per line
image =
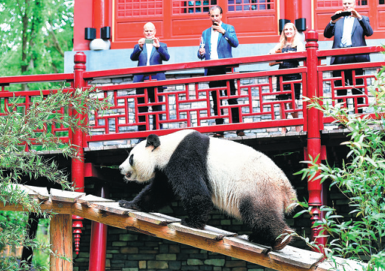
<point x="183" y="170"/>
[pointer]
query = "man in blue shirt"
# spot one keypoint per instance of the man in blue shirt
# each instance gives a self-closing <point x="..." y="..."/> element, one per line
<point x="216" y="43"/>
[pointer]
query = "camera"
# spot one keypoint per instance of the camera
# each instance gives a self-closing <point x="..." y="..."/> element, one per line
<point x="341" y="14"/>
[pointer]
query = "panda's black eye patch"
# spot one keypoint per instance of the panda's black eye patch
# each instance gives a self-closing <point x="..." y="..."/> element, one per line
<point x="131" y="160"/>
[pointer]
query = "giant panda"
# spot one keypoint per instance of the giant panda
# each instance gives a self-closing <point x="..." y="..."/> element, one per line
<point x="206" y="172"/>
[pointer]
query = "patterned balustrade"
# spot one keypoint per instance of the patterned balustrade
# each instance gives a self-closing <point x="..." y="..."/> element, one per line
<point x="21" y="101"/>
<point x="347" y="83"/>
<point x="187" y="103"/>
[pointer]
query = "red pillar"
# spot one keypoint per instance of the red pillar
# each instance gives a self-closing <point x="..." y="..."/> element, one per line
<point x="82" y="19"/>
<point x="305" y="11"/>
<point x="98" y="245"/>
<point x="100" y="15"/>
<point x="313" y="133"/>
<point x="291" y="10"/>
<point x="77" y="165"/>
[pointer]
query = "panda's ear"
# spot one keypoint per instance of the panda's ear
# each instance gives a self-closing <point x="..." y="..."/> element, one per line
<point x="153" y="140"/>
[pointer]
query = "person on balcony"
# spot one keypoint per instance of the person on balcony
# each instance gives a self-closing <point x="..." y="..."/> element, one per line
<point x="149" y="51"/>
<point x="349" y="31"/>
<point x="289" y="42"/>
<point x="216" y="43"/>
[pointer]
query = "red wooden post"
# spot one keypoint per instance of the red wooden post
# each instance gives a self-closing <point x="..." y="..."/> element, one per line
<point x="77" y="165"/>
<point x="100" y="15"/>
<point x="98" y="245"/>
<point x="313" y="132"/>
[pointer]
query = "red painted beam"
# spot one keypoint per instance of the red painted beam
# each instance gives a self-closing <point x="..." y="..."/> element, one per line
<point x="194" y="65"/>
<point x="98" y="244"/>
<point x="36" y="78"/>
<point x="200" y="79"/>
<point x="350" y="51"/>
<point x="202" y="129"/>
<point x="351" y="66"/>
<point x="91" y="171"/>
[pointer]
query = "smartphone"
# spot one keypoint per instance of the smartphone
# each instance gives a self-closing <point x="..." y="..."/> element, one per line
<point x="149" y="41"/>
<point x="215" y="23"/>
<point x="341" y="14"/>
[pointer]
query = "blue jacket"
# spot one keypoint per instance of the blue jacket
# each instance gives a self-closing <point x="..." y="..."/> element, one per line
<point x="158" y="55"/>
<point x="360" y="30"/>
<point x="225" y="43"/>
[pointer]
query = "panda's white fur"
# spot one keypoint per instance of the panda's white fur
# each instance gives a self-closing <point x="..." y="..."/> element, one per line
<point x="232" y="179"/>
<point x="241" y="181"/>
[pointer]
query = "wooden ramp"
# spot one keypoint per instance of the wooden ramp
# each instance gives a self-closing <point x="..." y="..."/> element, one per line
<point x="108" y="212"/>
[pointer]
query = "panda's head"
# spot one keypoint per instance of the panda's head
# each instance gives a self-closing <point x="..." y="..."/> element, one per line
<point x="141" y="162"/>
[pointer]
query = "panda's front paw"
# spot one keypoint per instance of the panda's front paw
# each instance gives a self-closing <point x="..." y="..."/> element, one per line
<point x="128" y="205"/>
<point x="193" y="223"/>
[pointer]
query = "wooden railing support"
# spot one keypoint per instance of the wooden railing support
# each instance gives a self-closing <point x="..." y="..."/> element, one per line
<point x="61" y="242"/>
<point x="313" y="135"/>
<point x="77" y="165"/>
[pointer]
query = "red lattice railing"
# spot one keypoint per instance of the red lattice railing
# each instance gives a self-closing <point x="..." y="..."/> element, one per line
<point x="21" y="101"/>
<point x="187" y="102"/>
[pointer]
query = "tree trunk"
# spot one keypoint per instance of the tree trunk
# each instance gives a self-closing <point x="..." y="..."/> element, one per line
<point x="24" y="50"/>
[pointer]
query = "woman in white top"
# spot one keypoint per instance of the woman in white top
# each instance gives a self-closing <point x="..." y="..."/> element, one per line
<point x="289" y="42"/>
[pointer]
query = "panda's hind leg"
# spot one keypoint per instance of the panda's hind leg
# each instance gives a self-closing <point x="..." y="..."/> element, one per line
<point x="265" y="221"/>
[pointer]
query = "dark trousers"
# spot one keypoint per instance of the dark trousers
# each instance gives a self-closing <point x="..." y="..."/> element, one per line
<point x="349" y="79"/>
<point x="141" y="109"/>
<point x="214" y="84"/>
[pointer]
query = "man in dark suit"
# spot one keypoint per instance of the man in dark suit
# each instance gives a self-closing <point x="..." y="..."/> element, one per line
<point x="149" y="53"/>
<point x="349" y="31"/>
<point x="216" y="43"/>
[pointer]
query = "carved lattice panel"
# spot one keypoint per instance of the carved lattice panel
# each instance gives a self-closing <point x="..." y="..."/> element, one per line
<point x="137" y="8"/>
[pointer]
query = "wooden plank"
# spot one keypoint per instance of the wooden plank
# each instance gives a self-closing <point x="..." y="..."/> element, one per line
<point x="209" y="231"/>
<point x="246" y="245"/>
<point x="61" y="242"/>
<point x="91" y="200"/>
<point x="152" y="218"/>
<point x="220" y="231"/>
<point x="297" y="257"/>
<point x="341" y="264"/>
<point x="21" y="188"/>
<point x="42" y="192"/>
<point x="167" y="217"/>
<point x="112" y="207"/>
<point x="65" y="196"/>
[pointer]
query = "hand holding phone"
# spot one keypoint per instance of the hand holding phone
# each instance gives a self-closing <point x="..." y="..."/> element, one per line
<point x="341" y="14"/>
<point x="149" y="41"/>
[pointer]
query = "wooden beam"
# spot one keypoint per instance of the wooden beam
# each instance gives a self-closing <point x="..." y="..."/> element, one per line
<point x="112" y="215"/>
<point x="164" y="232"/>
<point x="61" y="242"/>
<point x="48" y="206"/>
